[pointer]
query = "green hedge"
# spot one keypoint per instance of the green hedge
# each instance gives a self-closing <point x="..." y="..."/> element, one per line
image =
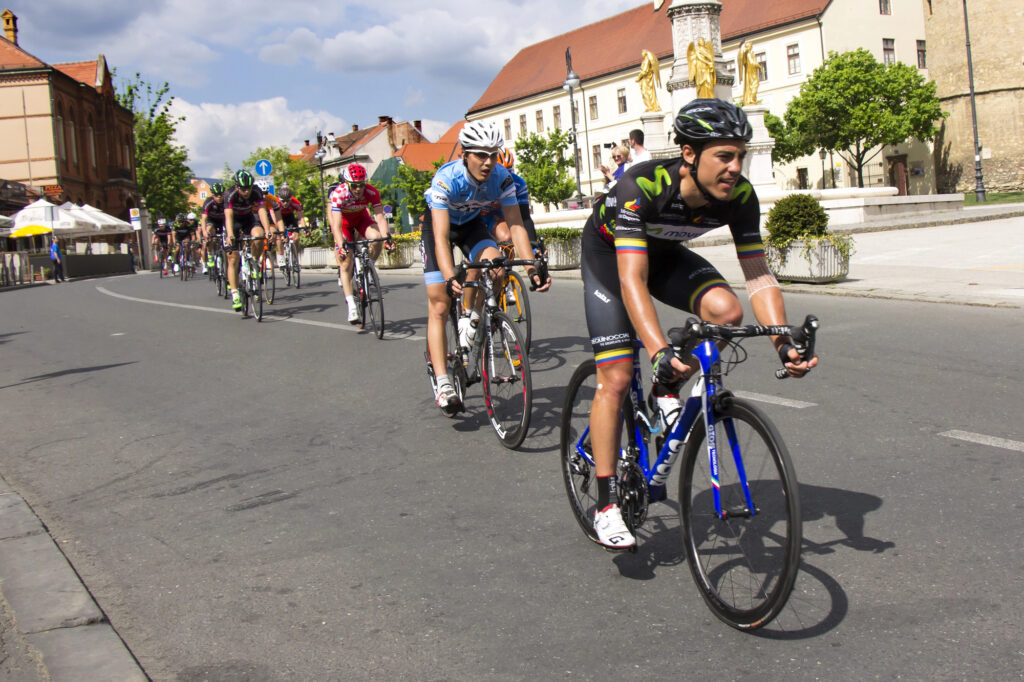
<point x="559" y="234"/>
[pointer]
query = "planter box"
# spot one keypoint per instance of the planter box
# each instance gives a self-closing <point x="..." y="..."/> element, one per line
<point x="563" y="254"/>
<point x="404" y="255"/>
<point x="317" y="257"/>
<point x="826" y="264"/>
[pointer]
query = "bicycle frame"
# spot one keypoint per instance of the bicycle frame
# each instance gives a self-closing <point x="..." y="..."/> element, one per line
<point x="699" y="405"/>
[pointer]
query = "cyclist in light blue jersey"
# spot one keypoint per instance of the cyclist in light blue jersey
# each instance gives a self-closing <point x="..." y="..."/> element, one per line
<point x="458" y="192"/>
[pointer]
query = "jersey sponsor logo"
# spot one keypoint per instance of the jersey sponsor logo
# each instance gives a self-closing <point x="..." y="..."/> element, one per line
<point x="610" y="202"/>
<point x="440" y="183"/>
<point x="742" y="192"/>
<point x="631" y="205"/>
<point x="654" y="187"/>
<point x="601" y="296"/>
<point x="507" y="182"/>
<point x="672" y="232"/>
<point x="612" y="338"/>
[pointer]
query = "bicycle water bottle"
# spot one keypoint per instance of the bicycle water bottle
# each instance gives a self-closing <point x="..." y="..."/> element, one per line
<point x="245" y="267"/>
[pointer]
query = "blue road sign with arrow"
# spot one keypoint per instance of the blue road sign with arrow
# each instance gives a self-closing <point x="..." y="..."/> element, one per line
<point x="264" y="167"/>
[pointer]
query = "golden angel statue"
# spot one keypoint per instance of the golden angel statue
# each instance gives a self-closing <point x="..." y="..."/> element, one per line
<point x="700" y="61"/>
<point x="649" y="79"/>
<point x="750" y="72"/>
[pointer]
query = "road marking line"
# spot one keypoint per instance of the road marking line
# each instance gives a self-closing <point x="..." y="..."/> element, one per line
<point x="276" y="318"/>
<point x="774" y="400"/>
<point x="985" y="440"/>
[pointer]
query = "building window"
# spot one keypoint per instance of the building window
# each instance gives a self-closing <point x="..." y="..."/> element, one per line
<point x="621" y="94"/>
<point x="92" y="147"/>
<point x="596" y="150"/>
<point x="883" y="7"/>
<point x="61" y="149"/>
<point x="592" y="102"/>
<point x="508" y="129"/>
<point x="202" y="196"/>
<point x="762" y="66"/>
<point x="73" y="143"/>
<point x="556" y="116"/>
<point x="522" y="125"/>
<point x="888" y="51"/>
<point x="540" y="121"/>
<point x="922" y="57"/>
<point x="793" y="59"/>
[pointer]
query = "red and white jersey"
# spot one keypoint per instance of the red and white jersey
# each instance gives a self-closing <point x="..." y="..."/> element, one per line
<point x="342" y="199"/>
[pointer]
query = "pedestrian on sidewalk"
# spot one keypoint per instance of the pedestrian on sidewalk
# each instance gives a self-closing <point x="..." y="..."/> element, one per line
<point x="57" y="258"/>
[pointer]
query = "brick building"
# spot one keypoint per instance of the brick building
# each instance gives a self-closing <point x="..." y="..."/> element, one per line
<point x="62" y="127"/>
<point x="997" y="32"/>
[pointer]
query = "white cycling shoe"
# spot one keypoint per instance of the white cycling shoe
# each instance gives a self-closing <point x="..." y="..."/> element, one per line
<point x="611" y="529"/>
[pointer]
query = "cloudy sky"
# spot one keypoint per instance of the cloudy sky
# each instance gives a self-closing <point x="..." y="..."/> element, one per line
<point x="261" y="73"/>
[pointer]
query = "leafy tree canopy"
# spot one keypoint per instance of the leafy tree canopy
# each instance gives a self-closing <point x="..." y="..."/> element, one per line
<point x="161" y="166"/>
<point x="852" y="104"/>
<point x="409" y="186"/>
<point x="544" y="164"/>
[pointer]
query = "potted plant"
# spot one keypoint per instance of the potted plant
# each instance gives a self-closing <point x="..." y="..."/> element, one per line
<point x="799" y="247"/>
<point x="407" y="249"/>
<point x="563" y="245"/>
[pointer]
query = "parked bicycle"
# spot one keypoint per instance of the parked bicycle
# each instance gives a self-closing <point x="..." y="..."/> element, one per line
<point x="739" y="513"/>
<point x="496" y="356"/>
<point x="369" y="297"/>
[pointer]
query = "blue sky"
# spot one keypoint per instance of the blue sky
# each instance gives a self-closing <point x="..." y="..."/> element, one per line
<point x="260" y="73"/>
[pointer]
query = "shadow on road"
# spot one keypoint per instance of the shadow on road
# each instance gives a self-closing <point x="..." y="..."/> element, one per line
<point x="65" y="372"/>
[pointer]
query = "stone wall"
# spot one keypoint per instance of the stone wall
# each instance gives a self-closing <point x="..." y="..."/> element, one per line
<point x="997" y="31"/>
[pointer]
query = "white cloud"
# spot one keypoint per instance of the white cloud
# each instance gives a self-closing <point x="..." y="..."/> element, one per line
<point x="433" y="130"/>
<point x="219" y="133"/>
<point x="413" y="97"/>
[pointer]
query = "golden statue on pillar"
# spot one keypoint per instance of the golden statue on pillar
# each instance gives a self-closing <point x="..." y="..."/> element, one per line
<point x="649" y="79"/>
<point x="750" y="73"/>
<point x="700" y="61"/>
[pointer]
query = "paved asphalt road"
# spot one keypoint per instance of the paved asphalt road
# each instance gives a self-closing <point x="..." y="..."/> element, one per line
<point x="282" y="501"/>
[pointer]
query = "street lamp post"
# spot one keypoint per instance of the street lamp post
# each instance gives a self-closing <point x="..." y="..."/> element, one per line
<point x="979" y="187"/>
<point x="821" y="155"/>
<point x="573" y="81"/>
<point x="320" y="153"/>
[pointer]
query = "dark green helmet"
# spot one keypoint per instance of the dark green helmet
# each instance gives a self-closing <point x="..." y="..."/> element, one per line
<point x="244" y="179"/>
<point x="217" y="189"/>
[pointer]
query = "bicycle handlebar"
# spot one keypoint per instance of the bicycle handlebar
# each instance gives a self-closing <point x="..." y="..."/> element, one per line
<point x="685" y="339"/>
<point x="363" y="242"/>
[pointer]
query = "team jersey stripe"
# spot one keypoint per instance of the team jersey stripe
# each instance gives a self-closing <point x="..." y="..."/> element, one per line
<point x="708" y="286"/>
<point x="750" y="250"/>
<point x="631" y="245"/>
<point x="609" y="356"/>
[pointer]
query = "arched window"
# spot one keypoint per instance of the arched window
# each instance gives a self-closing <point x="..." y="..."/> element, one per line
<point x="73" y="137"/>
<point x="92" y="144"/>
<point x="62" y="153"/>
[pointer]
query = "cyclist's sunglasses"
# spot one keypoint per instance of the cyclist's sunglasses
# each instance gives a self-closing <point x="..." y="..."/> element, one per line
<point x="356" y="185"/>
<point x="483" y="156"/>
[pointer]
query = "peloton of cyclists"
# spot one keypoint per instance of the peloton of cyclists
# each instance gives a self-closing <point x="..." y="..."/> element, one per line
<point x="458" y="192"/>
<point x="634" y="251"/>
<point x="291" y="217"/>
<point x="351" y="202"/>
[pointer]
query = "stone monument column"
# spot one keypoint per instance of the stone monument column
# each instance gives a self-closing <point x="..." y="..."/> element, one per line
<point x="691" y="20"/>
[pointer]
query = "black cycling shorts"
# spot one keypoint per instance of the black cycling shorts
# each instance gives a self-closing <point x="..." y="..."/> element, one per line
<point x="677" y="276"/>
<point x="471" y="238"/>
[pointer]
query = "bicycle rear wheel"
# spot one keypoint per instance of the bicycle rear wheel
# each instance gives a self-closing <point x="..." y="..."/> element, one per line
<point x="374" y="301"/>
<point x="294" y="266"/>
<point x="578" y="472"/>
<point x="269" y="278"/>
<point x="515" y="303"/>
<point x="744" y="565"/>
<point x="256" y="295"/>
<point x="505" y="373"/>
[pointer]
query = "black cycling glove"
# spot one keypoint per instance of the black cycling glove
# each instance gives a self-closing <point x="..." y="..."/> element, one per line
<point x="661" y="366"/>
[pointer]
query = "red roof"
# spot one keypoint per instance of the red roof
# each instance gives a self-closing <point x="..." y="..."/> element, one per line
<point x="13" y="57"/>
<point x="615" y="44"/>
<point x="83" y="72"/>
<point x="422" y="155"/>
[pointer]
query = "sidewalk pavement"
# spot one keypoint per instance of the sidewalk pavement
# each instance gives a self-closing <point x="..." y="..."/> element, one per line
<point x="50" y="627"/>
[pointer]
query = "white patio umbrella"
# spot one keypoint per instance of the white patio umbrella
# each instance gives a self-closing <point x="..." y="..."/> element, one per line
<point x="63" y="223"/>
<point x="110" y="223"/>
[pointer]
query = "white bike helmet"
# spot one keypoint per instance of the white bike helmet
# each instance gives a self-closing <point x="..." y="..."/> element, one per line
<point x="191" y="216"/>
<point x="481" y="136"/>
<point x="263" y="185"/>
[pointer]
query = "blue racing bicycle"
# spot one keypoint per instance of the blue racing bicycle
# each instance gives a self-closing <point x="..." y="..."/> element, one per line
<point x="739" y="508"/>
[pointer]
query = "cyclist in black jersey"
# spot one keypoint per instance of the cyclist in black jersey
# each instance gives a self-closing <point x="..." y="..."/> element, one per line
<point x="633" y="250"/>
<point x="184" y="231"/>
<point x="211" y="221"/>
<point x="161" y="242"/>
<point x="245" y="213"/>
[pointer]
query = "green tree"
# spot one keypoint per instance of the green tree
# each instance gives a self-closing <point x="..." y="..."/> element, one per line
<point x="409" y="186"/>
<point x="161" y="166"/>
<point x="852" y="104"/>
<point x="301" y="176"/>
<point x="789" y="144"/>
<point x="544" y="164"/>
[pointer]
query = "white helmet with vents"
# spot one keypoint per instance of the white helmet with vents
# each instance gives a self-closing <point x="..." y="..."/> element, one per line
<point x="481" y="136"/>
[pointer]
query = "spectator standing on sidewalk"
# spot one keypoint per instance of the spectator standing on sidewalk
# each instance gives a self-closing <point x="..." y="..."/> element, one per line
<point x="57" y="258"/>
<point x="638" y="152"/>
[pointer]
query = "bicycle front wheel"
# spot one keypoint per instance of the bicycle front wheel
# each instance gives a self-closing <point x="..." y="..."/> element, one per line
<point x="269" y="278"/>
<point x="374" y="301"/>
<point x="505" y="372"/>
<point x="515" y="303"/>
<point x="294" y="266"/>
<point x="256" y="295"/>
<point x="746" y="561"/>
